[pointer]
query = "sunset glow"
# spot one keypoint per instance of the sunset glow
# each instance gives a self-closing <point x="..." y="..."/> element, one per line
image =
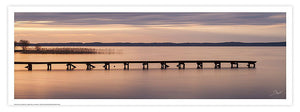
<point x="141" y="27"/>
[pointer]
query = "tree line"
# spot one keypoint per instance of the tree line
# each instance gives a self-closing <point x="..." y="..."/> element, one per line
<point x="24" y="44"/>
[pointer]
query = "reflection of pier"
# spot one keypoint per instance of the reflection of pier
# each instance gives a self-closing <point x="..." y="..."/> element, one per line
<point x="181" y="64"/>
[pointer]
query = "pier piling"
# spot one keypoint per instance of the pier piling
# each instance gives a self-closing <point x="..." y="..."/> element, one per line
<point x="89" y="66"/>
<point x="199" y="65"/>
<point x="217" y="64"/>
<point x="49" y="67"/>
<point x="70" y="66"/>
<point x="145" y="66"/>
<point x="164" y="65"/>
<point x="181" y="65"/>
<point x="234" y="63"/>
<point x="107" y="66"/>
<point x="29" y="67"/>
<point x="126" y="66"/>
<point x="251" y="63"/>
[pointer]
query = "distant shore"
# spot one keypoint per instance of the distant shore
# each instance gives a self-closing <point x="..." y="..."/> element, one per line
<point x="67" y="51"/>
<point x="162" y="44"/>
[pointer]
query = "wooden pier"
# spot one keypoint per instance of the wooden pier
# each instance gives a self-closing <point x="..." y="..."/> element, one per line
<point x="145" y="64"/>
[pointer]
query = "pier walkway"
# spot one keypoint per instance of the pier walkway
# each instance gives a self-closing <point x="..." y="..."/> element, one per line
<point x="181" y="64"/>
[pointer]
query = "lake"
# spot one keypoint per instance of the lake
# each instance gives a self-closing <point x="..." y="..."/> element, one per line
<point x="266" y="81"/>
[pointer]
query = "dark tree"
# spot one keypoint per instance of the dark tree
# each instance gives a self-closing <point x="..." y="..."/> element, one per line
<point x="24" y="44"/>
<point x="15" y="45"/>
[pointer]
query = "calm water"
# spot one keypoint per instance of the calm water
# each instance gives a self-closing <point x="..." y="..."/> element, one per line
<point x="266" y="81"/>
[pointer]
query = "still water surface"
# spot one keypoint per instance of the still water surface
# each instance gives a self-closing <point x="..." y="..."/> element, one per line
<point x="267" y="80"/>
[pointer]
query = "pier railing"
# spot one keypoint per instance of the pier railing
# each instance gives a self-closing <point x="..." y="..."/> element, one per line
<point x="145" y="64"/>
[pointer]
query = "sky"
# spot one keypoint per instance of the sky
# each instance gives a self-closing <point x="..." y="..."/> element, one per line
<point x="150" y="27"/>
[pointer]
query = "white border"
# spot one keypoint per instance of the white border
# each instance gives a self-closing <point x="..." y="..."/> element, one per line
<point x="289" y="58"/>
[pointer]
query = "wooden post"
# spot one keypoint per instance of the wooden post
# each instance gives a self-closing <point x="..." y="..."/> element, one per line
<point x="234" y="63"/>
<point x="68" y="67"/>
<point x="49" y="67"/>
<point x="29" y="67"/>
<point x="72" y="66"/>
<point x="217" y="64"/>
<point x="126" y="66"/>
<point x="249" y="65"/>
<point x="107" y="66"/>
<point x="179" y="66"/>
<point x="199" y="65"/>
<point x="164" y="65"/>
<point x="145" y="64"/>
<point x="88" y="66"/>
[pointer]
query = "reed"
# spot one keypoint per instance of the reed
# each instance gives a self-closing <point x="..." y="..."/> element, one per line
<point x="68" y="51"/>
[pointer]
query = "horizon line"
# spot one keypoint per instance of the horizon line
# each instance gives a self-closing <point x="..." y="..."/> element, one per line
<point x="157" y="42"/>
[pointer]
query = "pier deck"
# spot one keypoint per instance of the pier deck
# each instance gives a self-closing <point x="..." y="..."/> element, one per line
<point x="181" y="64"/>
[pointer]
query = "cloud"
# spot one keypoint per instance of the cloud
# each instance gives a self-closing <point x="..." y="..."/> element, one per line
<point x="43" y="27"/>
<point x="152" y="33"/>
<point x="150" y="27"/>
<point x="212" y="18"/>
<point x="33" y="22"/>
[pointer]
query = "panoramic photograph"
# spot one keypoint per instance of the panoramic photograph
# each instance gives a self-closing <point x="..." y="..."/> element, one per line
<point x="149" y="55"/>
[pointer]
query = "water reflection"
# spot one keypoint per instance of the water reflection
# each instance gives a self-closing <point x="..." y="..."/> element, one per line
<point x="207" y="83"/>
